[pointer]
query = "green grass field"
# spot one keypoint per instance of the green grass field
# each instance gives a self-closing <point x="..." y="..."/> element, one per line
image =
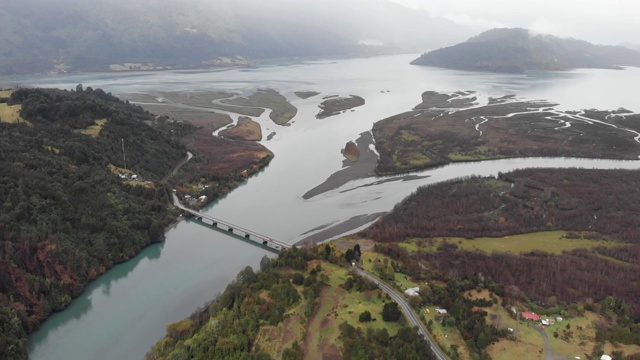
<point x="118" y="170"/>
<point x="321" y="331"/>
<point x="554" y="242"/>
<point x="94" y="130"/>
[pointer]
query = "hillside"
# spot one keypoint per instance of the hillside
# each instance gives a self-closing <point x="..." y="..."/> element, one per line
<point x="560" y="242"/>
<point x="67" y="215"/>
<point x="530" y="201"/>
<point x="306" y="304"/>
<point x="75" y="35"/>
<point x="517" y="50"/>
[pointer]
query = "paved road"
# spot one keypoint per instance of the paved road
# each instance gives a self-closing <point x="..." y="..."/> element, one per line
<point x="548" y="355"/>
<point x="180" y="164"/>
<point x="408" y="312"/>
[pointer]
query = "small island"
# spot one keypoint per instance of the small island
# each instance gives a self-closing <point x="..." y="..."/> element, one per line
<point x="336" y="105"/>
<point x="351" y="152"/>
<point x="282" y="110"/>
<point x="305" y="94"/>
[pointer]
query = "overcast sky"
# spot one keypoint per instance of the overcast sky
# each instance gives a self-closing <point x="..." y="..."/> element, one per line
<point x="598" y="21"/>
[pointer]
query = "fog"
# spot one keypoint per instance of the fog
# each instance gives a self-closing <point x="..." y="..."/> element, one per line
<point x="609" y="22"/>
<point x="81" y="35"/>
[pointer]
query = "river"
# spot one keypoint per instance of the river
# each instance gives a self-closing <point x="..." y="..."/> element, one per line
<point x="124" y="312"/>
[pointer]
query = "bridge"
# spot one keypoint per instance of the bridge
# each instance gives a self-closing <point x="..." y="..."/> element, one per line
<point x="257" y="238"/>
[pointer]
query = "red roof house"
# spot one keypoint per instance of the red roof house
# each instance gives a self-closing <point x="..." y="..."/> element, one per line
<point x="530" y="316"/>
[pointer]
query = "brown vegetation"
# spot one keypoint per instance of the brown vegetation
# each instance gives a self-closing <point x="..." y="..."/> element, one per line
<point x="223" y="156"/>
<point x="190" y="115"/>
<point x="246" y="129"/>
<point x="604" y="202"/>
<point x="429" y="136"/>
<point x="351" y="152"/>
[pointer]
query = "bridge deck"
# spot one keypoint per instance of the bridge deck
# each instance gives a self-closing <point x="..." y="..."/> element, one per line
<point x="248" y="234"/>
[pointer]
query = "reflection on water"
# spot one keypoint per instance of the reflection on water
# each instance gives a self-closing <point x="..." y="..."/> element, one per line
<point x="83" y="304"/>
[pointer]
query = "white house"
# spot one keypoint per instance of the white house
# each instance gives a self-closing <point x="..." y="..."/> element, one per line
<point x="442" y="311"/>
<point x="415" y="291"/>
<point x="605" y="357"/>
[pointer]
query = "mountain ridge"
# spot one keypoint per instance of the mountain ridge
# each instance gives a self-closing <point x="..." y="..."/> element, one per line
<point x="516" y="50"/>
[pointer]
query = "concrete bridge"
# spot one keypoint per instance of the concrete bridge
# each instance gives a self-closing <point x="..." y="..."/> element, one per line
<point x="236" y="231"/>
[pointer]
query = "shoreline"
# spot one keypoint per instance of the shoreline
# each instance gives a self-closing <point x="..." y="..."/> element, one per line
<point x="363" y="168"/>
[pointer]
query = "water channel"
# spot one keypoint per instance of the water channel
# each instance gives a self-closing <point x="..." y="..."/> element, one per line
<point x="125" y="311"/>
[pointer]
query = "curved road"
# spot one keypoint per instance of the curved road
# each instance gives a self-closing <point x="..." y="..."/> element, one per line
<point x="408" y="312"/>
<point x="180" y="164"/>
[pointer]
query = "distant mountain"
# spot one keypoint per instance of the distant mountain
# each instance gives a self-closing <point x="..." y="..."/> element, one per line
<point x="79" y="35"/>
<point x="631" y="46"/>
<point x="518" y="50"/>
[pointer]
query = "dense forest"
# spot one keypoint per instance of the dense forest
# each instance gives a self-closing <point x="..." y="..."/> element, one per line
<point x="65" y="216"/>
<point x="602" y="201"/>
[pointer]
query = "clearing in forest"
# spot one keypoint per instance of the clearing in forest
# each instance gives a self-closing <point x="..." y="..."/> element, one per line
<point x="554" y="242"/>
<point x="94" y="130"/>
<point x="11" y="114"/>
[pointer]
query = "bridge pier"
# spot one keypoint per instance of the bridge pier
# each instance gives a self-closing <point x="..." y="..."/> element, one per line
<point x="248" y="234"/>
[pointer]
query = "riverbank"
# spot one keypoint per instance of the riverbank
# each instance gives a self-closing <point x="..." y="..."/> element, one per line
<point x="363" y="168"/>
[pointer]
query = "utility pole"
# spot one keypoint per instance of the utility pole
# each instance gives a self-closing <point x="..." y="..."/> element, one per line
<point x="124" y="158"/>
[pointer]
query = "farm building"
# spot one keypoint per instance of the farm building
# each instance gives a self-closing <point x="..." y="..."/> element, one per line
<point x="530" y="316"/>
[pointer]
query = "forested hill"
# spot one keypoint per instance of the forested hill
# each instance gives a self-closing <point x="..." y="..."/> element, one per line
<point x="518" y="50"/>
<point x="66" y="216"/>
<point x="78" y="35"/>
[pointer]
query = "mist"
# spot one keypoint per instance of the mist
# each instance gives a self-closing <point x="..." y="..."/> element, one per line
<point x="78" y="35"/>
<point x="607" y="22"/>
